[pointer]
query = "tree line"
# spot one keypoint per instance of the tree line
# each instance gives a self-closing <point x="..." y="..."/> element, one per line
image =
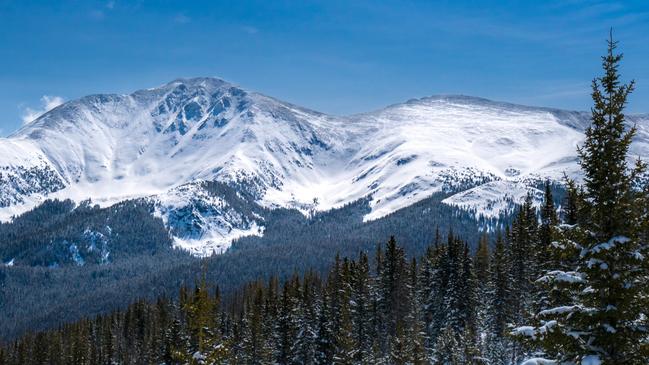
<point x="388" y="310"/>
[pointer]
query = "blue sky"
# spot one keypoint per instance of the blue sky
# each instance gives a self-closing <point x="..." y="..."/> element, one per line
<point x="339" y="57"/>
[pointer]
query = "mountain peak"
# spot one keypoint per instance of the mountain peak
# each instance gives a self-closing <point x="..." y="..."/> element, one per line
<point x="208" y="82"/>
<point x="110" y="147"/>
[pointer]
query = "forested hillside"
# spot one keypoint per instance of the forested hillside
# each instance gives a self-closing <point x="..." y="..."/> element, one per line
<point x="46" y="286"/>
<point x="448" y="305"/>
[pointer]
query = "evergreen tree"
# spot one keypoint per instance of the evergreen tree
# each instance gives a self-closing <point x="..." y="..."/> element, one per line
<point x="254" y="338"/>
<point x="523" y="265"/>
<point x="414" y="331"/>
<point x="361" y="310"/>
<point x="481" y="262"/>
<point x="393" y="286"/>
<point x="431" y="287"/>
<point x="288" y="322"/>
<point x="545" y="252"/>
<point x="398" y="348"/>
<point x="606" y="289"/>
<point x="500" y="310"/>
<point x="447" y="348"/>
<point x="571" y="203"/>
<point x="308" y="324"/>
<point x="482" y="271"/>
<point x="549" y="220"/>
<point x="345" y="349"/>
<point x="325" y="347"/>
<point x="469" y="308"/>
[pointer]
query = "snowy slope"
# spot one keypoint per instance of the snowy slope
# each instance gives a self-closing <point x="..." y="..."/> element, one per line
<point x="162" y="143"/>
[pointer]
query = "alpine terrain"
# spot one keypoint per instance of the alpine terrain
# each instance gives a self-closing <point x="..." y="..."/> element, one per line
<point x="163" y="145"/>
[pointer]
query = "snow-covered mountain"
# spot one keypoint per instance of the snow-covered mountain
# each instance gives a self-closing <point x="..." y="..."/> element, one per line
<point x="167" y="143"/>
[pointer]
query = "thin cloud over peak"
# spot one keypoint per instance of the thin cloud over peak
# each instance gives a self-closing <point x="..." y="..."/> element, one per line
<point x="48" y="103"/>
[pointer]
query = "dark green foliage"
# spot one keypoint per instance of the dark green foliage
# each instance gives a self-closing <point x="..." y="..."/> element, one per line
<point x="596" y="284"/>
<point x="45" y="236"/>
<point x="141" y="262"/>
<point x="308" y="321"/>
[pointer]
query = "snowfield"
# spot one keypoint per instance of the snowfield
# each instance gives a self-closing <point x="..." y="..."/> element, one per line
<point x="152" y="143"/>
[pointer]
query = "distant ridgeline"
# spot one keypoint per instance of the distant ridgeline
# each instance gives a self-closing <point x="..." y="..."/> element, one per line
<point x="61" y="262"/>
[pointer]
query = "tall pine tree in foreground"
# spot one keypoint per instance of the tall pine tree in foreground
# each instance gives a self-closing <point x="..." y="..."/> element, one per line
<point x="598" y="314"/>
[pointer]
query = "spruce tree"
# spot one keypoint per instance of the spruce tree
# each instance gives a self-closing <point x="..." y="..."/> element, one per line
<point x="361" y="310"/>
<point x="605" y="290"/>
<point x="345" y="348"/>
<point x="393" y="285"/>
<point x="469" y="308"/>
<point x="482" y="269"/>
<point x="447" y="348"/>
<point x="325" y="343"/>
<point x="549" y="220"/>
<point x="524" y="243"/>
<point x="415" y="334"/>
<point x="545" y="252"/>
<point x="254" y="339"/>
<point x="481" y="261"/>
<point x="500" y="310"/>
<point x="308" y="324"/>
<point x="288" y="322"/>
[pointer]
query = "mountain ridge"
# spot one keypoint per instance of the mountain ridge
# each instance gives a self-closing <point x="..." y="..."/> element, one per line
<point x="162" y="143"/>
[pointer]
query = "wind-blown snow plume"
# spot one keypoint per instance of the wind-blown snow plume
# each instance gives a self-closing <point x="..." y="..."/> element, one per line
<point x="47" y="103"/>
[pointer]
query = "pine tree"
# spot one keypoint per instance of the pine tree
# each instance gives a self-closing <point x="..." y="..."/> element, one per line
<point x="361" y="311"/>
<point x="443" y="283"/>
<point x="254" y="340"/>
<point x="453" y="306"/>
<point x="469" y="308"/>
<point x="447" y="348"/>
<point x="379" y="326"/>
<point x="523" y="265"/>
<point x="545" y="252"/>
<point x="482" y="269"/>
<point x="288" y="326"/>
<point x="431" y="283"/>
<point x="325" y="347"/>
<point x="308" y="324"/>
<point x="414" y="331"/>
<point x="570" y="210"/>
<point x="345" y="348"/>
<point x="500" y="311"/>
<point x="549" y="220"/>
<point x="481" y="261"/>
<point x="206" y="343"/>
<point x="398" y="348"/>
<point x="393" y="285"/>
<point x="606" y="288"/>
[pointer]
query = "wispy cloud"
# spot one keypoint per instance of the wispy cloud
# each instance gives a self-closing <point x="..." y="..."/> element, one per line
<point x="577" y="91"/>
<point x="100" y="14"/>
<point x="97" y="14"/>
<point x="182" y="19"/>
<point x="555" y="93"/>
<point x="47" y="103"/>
<point x="250" y="29"/>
